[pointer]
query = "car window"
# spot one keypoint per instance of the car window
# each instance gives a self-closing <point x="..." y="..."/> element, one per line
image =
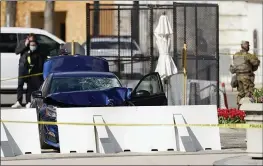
<point x="8" y="42"/>
<point x="22" y="36"/>
<point x="112" y="45"/>
<point x="150" y="84"/>
<point x="68" y="84"/>
<point x="48" y="45"/>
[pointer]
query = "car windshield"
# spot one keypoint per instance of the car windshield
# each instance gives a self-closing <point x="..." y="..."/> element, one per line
<point x="68" y="84"/>
<point x="112" y="45"/>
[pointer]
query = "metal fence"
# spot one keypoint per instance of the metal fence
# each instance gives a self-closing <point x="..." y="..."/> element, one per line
<point x="124" y="35"/>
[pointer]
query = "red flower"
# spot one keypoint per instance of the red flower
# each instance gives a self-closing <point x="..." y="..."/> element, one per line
<point x="231" y="115"/>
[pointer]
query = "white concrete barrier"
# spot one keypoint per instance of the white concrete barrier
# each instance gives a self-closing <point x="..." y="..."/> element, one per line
<point x="202" y="137"/>
<point x="6" y="150"/>
<point x="22" y="137"/>
<point x="114" y="139"/>
<point x="136" y="138"/>
<point x="183" y="138"/>
<point x="75" y="138"/>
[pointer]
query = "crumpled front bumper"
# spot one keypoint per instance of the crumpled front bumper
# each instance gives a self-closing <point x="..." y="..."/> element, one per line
<point x="51" y="135"/>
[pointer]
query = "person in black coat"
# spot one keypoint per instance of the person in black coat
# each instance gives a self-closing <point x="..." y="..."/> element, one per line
<point x="21" y="49"/>
<point x="34" y="65"/>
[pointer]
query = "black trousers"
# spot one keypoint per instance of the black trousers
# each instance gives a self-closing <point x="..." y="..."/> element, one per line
<point x="21" y="82"/>
<point x="33" y="84"/>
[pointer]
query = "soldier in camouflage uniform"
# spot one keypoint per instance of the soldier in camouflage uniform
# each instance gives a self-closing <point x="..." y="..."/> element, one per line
<point x="244" y="65"/>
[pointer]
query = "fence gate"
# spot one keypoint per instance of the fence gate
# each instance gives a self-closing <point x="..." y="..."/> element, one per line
<point x="123" y="34"/>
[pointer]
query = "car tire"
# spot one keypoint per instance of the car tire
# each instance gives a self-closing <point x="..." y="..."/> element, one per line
<point x="43" y="145"/>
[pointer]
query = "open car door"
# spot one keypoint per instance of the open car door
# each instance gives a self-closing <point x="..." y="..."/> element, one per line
<point x="149" y="91"/>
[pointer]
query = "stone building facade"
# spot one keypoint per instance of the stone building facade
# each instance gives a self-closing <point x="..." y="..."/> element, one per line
<point x="70" y="17"/>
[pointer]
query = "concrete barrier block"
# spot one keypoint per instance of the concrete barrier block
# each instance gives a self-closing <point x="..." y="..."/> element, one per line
<point x="75" y="138"/>
<point x="6" y="150"/>
<point x="183" y="138"/>
<point x="22" y="137"/>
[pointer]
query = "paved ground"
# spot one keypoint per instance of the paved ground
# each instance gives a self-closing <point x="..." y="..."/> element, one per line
<point x="171" y="158"/>
<point x="240" y="160"/>
<point x="233" y="138"/>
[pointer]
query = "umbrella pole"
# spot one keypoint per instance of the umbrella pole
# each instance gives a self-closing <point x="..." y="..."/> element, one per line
<point x="72" y="47"/>
<point x="185" y="74"/>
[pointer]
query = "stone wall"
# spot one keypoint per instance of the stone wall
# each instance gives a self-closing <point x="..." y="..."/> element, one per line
<point x="75" y="16"/>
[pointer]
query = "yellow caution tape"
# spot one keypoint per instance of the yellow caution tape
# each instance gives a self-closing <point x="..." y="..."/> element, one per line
<point x="240" y="126"/>
<point x="26" y="76"/>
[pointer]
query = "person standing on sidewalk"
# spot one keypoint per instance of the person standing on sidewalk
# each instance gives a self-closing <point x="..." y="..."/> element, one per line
<point x="34" y="65"/>
<point x="244" y="66"/>
<point x="21" y="49"/>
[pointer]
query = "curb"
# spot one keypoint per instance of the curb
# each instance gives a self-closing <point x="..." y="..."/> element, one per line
<point x="127" y="154"/>
<point x="238" y="160"/>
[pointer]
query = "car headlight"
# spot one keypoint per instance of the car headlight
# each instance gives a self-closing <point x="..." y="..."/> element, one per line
<point x="51" y="111"/>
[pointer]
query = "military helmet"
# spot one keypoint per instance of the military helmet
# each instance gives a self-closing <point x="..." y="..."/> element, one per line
<point x="244" y="42"/>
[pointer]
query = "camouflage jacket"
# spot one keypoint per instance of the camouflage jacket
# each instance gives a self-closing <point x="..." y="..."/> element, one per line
<point x="244" y="62"/>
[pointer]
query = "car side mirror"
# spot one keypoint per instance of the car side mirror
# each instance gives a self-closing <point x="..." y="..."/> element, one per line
<point x="37" y="94"/>
<point x="142" y="93"/>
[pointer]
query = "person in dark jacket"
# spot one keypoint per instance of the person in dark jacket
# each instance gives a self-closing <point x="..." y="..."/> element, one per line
<point x="34" y="65"/>
<point x="21" y="49"/>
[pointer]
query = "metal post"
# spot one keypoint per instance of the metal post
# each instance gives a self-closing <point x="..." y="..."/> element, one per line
<point x="185" y="73"/>
<point x="119" y="42"/>
<point x="135" y="17"/>
<point x="217" y="55"/>
<point x="132" y="38"/>
<point x="196" y="44"/>
<point x="96" y="18"/>
<point x="185" y="60"/>
<point x="87" y="29"/>
<point x="185" y="24"/>
<point x="196" y="50"/>
<point x="151" y="38"/>
<point x="72" y="48"/>
<point x="175" y="33"/>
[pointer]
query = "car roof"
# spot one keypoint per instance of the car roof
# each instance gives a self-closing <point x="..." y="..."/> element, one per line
<point x="30" y="30"/>
<point x="84" y="74"/>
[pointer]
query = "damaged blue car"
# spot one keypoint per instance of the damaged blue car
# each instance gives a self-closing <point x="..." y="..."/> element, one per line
<point x="85" y="81"/>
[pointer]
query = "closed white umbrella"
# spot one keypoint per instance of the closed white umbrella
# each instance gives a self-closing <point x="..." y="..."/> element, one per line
<point x="165" y="66"/>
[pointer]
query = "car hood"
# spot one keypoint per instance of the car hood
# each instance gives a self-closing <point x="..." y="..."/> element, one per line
<point x="111" y="97"/>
